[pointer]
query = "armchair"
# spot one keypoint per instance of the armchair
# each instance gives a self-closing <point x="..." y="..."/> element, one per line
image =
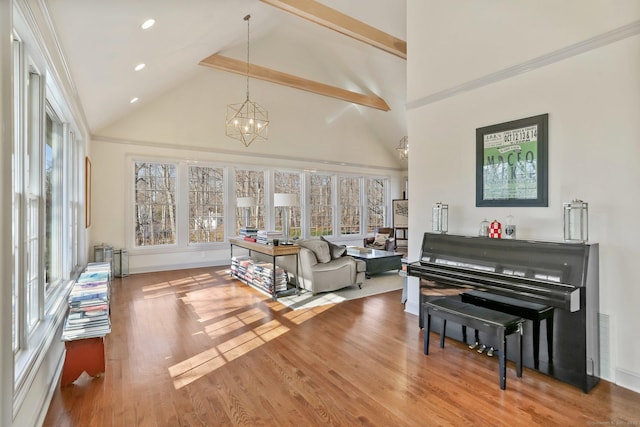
<point x="383" y="239"/>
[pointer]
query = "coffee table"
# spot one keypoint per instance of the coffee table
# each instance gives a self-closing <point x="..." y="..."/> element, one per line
<point x="377" y="261"/>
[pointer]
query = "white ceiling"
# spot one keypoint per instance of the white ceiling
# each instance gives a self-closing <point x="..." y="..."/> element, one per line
<point x="102" y="43"/>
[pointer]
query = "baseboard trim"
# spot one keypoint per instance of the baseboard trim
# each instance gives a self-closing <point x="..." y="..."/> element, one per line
<point x="628" y="379"/>
<point x="412" y="308"/>
<point x="55" y="383"/>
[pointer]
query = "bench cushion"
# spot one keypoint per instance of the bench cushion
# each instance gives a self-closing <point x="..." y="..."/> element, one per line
<point x="457" y="307"/>
<point x="508" y="300"/>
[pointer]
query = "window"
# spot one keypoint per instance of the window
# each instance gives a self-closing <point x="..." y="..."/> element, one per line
<point x="349" y="189"/>
<point x="321" y="205"/>
<point x="17" y="170"/>
<point x="45" y="208"/>
<point x="34" y="199"/>
<point x="330" y="204"/>
<point x="76" y="221"/>
<point x="376" y="195"/>
<point x="250" y="183"/>
<point x="155" y="204"/>
<point x="289" y="183"/>
<point x="53" y="187"/>
<point x="206" y="204"/>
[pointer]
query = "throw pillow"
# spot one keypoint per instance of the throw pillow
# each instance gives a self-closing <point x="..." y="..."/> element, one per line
<point x="381" y="239"/>
<point x="336" y="250"/>
<point x="318" y="247"/>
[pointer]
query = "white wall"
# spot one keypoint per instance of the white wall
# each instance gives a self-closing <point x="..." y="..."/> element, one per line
<point x="593" y="102"/>
<point x="307" y="131"/>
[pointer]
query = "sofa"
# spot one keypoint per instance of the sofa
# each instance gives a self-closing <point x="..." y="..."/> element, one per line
<point x="324" y="267"/>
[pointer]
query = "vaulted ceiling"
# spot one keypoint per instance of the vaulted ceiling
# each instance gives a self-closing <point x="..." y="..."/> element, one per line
<point x="102" y="43"/>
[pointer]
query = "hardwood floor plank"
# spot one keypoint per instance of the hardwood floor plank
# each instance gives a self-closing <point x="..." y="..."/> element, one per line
<point x="197" y="348"/>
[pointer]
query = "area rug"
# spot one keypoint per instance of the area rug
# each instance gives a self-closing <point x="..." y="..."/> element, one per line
<point x="378" y="284"/>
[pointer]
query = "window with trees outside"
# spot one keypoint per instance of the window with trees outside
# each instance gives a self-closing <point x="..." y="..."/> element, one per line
<point x="289" y="183"/>
<point x="350" y="219"/>
<point x="206" y="204"/>
<point x="376" y="196"/>
<point x="321" y="205"/>
<point x="250" y="183"/>
<point x="155" y="203"/>
<point x="330" y="204"/>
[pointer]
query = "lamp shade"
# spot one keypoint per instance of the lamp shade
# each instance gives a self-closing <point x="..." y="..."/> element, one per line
<point x="246" y="202"/>
<point x="283" y="199"/>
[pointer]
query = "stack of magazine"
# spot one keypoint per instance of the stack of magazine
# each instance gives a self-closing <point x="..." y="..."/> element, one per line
<point x="89" y="304"/>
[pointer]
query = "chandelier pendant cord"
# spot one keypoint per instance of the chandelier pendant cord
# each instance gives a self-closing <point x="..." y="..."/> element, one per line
<point x="247" y="121"/>
<point x="248" y="19"/>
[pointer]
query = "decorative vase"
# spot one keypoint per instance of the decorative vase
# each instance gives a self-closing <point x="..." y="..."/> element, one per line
<point x="495" y="229"/>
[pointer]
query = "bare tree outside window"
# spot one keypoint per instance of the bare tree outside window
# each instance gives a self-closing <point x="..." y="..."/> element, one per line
<point x="350" y="219"/>
<point x="250" y="183"/>
<point x="155" y="206"/>
<point x="376" y="190"/>
<point x="289" y="183"/>
<point x="321" y="205"/>
<point x="206" y="204"/>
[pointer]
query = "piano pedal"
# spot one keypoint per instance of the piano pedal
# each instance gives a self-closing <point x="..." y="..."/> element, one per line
<point x="474" y="345"/>
<point x="491" y="351"/>
<point x="482" y="348"/>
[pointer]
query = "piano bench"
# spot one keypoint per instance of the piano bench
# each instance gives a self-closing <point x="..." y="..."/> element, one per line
<point x="527" y="310"/>
<point x="480" y="318"/>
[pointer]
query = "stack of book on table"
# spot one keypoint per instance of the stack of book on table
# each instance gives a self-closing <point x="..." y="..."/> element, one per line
<point x="248" y="233"/>
<point x="259" y="274"/>
<point x="88" y="315"/>
<point x="266" y="237"/>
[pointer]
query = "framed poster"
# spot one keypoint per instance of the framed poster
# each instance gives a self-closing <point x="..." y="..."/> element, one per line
<point x="511" y="163"/>
<point x="400" y="213"/>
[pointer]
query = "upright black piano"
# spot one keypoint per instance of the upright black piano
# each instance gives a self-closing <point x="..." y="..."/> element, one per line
<point x="559" y="275"/>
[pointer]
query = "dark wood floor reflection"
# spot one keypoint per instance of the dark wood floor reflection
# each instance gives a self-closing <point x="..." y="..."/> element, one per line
<point x="197" y="348"/>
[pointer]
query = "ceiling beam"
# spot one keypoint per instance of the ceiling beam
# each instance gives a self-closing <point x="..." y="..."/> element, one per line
<point x="337" y="21"/>
<point x="240" y="67"/>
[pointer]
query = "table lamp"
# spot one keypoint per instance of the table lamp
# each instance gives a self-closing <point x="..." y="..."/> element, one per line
<point x="247" y="203"/>
<point x="285" y="201"/>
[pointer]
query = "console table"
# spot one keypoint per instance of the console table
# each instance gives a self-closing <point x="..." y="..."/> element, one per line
<point x="273" y="252"/>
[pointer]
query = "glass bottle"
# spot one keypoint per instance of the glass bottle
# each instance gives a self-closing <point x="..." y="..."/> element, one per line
<point x="484" y="228"/>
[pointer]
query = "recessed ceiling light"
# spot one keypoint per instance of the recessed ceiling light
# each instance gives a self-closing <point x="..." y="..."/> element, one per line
<point x="133" y="100"/>
<point x="140" y="67"/>
<point x="148" y="24"/>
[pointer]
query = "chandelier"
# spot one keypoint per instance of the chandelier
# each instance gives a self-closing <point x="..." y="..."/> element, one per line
<point x="247" y="121"/>
<point x="403" y="148"/>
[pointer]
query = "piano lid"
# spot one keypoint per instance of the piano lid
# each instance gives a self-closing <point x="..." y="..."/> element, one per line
<point x="543" y="272"/>
<point x="553" y="262"/>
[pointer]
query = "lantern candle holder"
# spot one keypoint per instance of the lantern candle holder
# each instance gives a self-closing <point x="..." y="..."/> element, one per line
<point x="440" y="218"/>
<point x="576" y="221"/>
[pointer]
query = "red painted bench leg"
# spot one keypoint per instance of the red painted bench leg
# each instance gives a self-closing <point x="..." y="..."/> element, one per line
<point x="84" y="355"/>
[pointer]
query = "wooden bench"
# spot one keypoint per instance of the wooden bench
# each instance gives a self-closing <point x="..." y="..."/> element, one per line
<point x="528" y="310"/>
<point x="480" y="318"/>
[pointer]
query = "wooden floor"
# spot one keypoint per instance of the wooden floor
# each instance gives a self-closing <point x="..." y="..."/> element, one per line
<point x="197" y="348"/>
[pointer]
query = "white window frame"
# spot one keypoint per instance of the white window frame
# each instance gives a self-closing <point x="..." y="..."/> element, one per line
<point x="48" y="308"/>
<point x="225" y="206"/>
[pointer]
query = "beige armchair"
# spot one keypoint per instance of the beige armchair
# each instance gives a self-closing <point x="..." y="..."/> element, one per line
<point x="323" y="266"/>
<point x="383" y="238"/>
